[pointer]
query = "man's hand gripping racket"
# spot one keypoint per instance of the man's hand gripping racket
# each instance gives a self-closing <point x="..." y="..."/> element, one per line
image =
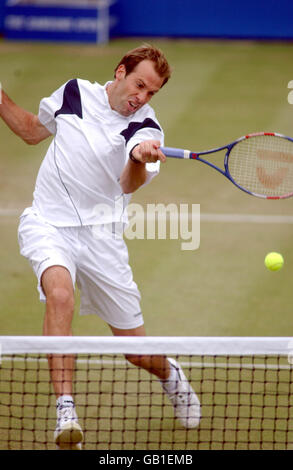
<point x="260" y="164"/>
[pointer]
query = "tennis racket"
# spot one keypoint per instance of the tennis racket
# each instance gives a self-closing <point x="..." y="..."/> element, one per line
<point x="260" y="164"/>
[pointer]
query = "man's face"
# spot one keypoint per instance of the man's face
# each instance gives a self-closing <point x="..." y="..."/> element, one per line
<point x="130" y="92"/>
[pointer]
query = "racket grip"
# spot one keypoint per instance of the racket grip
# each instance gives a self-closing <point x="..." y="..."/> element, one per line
<point x="175" y="153"/>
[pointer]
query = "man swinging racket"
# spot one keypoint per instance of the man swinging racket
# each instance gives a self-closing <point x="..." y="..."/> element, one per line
<point x="106" y="145"/>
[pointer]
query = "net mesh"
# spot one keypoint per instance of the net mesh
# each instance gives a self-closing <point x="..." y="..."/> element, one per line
<point x="246" y="402"/>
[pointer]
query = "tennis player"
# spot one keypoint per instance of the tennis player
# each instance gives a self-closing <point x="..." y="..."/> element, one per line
<point x="106" y="145"/>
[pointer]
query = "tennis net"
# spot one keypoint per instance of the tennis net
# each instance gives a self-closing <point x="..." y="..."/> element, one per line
<point x="244" y="385"/>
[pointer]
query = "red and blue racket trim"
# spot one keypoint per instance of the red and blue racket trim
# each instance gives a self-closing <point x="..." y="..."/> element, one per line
<point x="186" y="154"/>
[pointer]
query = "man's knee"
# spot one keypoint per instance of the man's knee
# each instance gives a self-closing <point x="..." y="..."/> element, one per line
<point x="59" y="312"/>
<point x="61" y="298"/>
<point x="57" y="286"/>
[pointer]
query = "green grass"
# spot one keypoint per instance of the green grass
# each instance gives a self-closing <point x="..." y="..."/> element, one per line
<point x="219" y="91"/>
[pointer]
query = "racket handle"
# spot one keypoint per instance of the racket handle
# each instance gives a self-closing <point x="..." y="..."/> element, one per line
<point x="175" y="153"/>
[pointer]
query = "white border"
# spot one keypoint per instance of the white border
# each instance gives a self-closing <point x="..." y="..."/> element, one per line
<point x="185" y="345"/>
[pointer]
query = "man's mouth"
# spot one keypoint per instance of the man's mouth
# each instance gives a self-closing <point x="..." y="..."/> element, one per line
<point x="132" y="106"/>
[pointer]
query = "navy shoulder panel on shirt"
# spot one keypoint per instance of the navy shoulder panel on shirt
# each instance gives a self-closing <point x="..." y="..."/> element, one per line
<point x="136" y="126"/>
<point x="71" y="100"/>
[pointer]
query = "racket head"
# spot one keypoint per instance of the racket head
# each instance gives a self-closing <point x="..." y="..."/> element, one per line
<point x="261" y="164"/>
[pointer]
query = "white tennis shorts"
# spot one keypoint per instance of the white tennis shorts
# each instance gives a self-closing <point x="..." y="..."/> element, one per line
<point x="97" y="265"/>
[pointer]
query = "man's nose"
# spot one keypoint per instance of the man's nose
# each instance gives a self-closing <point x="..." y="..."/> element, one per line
<point x="142" y="96"/>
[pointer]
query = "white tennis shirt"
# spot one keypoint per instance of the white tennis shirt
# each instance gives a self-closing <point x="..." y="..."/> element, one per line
<point x="78" y="181"/>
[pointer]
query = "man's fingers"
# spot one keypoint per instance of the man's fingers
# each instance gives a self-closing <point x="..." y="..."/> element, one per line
<point x="149" y="152"/>
<point x="162" y="156"/>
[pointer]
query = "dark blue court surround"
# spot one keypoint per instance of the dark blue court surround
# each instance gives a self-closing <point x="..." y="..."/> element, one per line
<point x="238" y="19"/>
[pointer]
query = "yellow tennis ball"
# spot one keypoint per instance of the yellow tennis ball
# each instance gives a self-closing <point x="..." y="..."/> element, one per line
<point x="274" y="261"/>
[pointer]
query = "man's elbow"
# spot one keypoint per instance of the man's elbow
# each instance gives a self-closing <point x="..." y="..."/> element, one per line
<point x="35" y="136"/>
<point x="32" y="140"/>
<point x="34" y="132"/>
<point x="127" y="188"/>
<point x="130" y="186"/>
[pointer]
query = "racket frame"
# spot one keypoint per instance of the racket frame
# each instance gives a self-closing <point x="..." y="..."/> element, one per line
<point x="187" y="154"/>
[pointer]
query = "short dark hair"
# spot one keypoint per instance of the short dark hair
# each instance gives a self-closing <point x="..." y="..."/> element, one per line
<point x="146" y="52"/>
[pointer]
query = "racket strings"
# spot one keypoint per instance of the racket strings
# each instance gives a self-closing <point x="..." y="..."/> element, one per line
<point x="263" y="165"/>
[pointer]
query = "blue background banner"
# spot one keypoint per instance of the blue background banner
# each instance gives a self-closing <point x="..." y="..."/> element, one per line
<point x="2" y="9"/>
<point x="51" y="23"/>
<point x="249" y="19"/>
<point x="254" y="19"/>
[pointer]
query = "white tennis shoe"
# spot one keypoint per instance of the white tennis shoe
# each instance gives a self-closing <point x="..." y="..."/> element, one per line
<point x="68" y="434"/>
<point x="184" y="400"/>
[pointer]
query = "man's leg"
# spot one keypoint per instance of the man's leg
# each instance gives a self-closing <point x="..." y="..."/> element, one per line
<point x="58" y="288"/>
<point x="59" y="291"/>
<point x="157" y="365"/>
<point x="183" y="398"/>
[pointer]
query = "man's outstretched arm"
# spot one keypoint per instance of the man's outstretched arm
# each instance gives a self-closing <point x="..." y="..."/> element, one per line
<point x="24" y="124"/>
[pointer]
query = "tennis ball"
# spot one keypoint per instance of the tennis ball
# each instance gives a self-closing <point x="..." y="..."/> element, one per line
<point x="274" y="261"/>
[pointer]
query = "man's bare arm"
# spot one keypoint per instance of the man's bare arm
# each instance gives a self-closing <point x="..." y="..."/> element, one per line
<point x="24" y="124"/>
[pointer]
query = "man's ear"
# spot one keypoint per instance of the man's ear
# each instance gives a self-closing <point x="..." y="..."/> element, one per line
<point x="120" y="72"/>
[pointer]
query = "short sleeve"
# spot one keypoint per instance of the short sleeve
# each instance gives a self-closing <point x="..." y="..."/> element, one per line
<point x="149" y="130"/>
<point x="48" y="107"/>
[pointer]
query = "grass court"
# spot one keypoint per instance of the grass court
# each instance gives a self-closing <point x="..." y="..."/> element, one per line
<point x="219" y="91"/>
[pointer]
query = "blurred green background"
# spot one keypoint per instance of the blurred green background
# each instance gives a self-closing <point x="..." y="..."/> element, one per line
<point x="219" y="91"/>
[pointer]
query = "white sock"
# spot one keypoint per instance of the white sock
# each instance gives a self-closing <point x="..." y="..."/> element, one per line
<point x="65" y="400"/>
<point x="170" y="384"/>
